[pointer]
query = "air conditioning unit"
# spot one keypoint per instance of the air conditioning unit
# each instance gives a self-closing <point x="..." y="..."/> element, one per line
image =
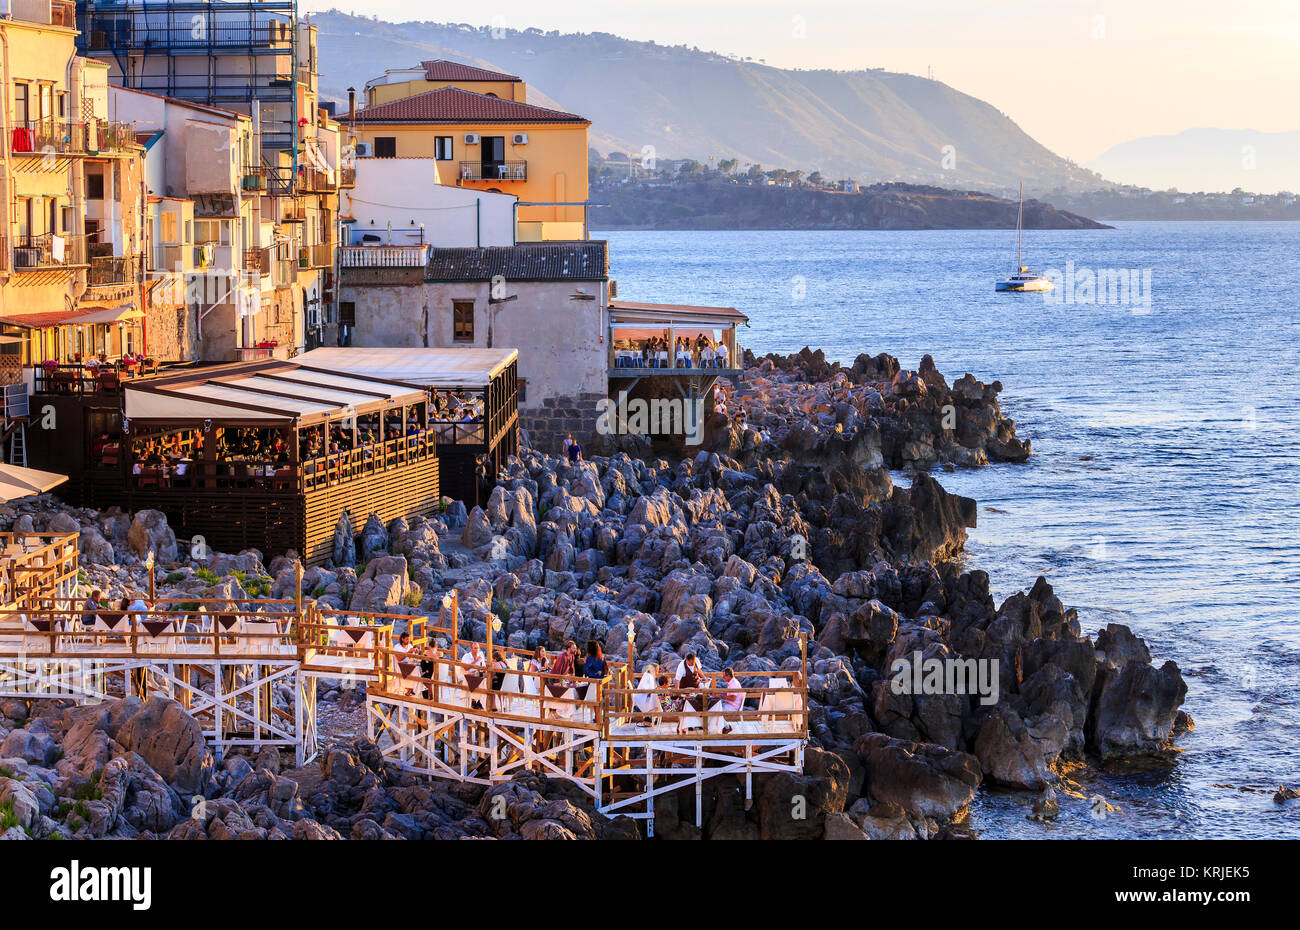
<point x="521" y="138"/>
<point x="364" y="150"/>
<point x="471" y="138"/>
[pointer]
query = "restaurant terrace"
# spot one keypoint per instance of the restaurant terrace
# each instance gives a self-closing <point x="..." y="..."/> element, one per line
<point x="473" y="404"/>
<point x="270" y="454"/>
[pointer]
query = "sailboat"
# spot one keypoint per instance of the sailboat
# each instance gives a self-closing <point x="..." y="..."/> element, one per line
<point x="1023" y="279"/>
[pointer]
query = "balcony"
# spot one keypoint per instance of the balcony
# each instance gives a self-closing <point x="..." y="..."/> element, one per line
<point x="347" y="178"/>
<point x="495" y="171"/>
<point x="257" y="261"/>
<point x="42" y="138"/>
<point x="383" y="256"/>
<point x="293" y="211"/>
<point x="48" y="251"/>
<point x="316" y="256"/>
<point x="63" y="13"/>
<point x="315" y="181"/>
<point x="170" y="258"/>
<point x="107" y="270"/>
<point x="254" y="180"/>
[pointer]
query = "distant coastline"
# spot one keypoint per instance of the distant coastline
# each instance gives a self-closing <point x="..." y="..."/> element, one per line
<point x="720" y="204"/>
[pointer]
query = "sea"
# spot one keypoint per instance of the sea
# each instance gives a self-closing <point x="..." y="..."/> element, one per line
<point x="1162" y="492"/>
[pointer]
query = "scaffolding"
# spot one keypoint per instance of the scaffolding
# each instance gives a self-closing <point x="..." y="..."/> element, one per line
<point x="240" y="55"/>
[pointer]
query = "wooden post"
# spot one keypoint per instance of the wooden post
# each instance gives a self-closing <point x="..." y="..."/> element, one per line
<point x="630" y="671"/>
<point x="450" y="603"/>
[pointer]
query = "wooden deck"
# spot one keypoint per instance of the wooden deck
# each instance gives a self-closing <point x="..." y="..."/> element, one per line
<point x="248" y="672"/>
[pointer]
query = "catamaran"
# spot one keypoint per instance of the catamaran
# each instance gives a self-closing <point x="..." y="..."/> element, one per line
<point x="1023" y="279"/>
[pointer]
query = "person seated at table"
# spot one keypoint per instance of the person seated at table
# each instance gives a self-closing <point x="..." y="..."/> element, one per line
<point x="668" y="704"/>
<point x="473" y="656"/>
<point x="430" y="655"/>
<point x="733" y="700"/>
<point x="499" y="668"/>
<point x="138" y="607"/>
<point x="595" y="665"/>
<point x="564" y="665"/>
<point x="91" y="605"/>
<point x="403" y="644"/>
<point x="537" y="661"/>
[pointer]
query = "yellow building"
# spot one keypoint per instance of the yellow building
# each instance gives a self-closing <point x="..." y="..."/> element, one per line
<point x="435" y="75"/>
<point x="71" y="259"/>
<point x="485" y="136"/>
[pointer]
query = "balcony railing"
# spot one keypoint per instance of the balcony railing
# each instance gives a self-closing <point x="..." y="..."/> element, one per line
<point x="170" y="258"/>
<point x="257" y="261"/>
<point x="37" y="253"/>
<point x="316" y="256"/>
<point x="114" y="269"/>
<point x="383" y="256"/>
<point x="66" y="137"/>
<point x="347" y="177"/>
<point x="315" y="181"/>
<point x="293" y="211"/>
<point x="63" y="13"/>
<point x="495" y="171"/>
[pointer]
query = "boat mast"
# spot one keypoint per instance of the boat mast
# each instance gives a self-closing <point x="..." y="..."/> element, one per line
<point x="1020" y="212"/>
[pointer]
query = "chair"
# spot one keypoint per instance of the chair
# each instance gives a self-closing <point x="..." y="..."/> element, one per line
<point x="264" y="639"/>
<point x="588" y="710"/>
<point x="645" y="699"/>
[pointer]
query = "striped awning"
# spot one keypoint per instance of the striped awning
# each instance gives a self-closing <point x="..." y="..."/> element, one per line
<point x="82" y="316"/>
<point x="271" y="393"/>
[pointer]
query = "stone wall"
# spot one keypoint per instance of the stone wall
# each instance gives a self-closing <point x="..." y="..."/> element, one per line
<point x="169" y="332"/>
<point x="556" y="417"/>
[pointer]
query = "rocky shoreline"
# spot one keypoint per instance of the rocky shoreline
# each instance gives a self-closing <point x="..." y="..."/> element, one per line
<point x="733" y="553"/>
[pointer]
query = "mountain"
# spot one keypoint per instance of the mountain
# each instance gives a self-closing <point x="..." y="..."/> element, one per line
<point x="685" y="103"/>
<point x="1207" y="160"/>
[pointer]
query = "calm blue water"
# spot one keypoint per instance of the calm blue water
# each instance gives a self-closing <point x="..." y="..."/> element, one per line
<point x="1162" y="492"/>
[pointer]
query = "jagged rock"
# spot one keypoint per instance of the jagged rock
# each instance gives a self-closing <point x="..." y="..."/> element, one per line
<point x="1134" y="705"/>
<point x="925" y="780"/>
<point x="149" y="532"/>
<point x="344" y="551"/>
<point x="33" y="743"/>
<point x="171" y="742"/>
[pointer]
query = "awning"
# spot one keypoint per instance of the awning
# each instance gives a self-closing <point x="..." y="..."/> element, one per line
<point x="80" y="317"/>
<point x="440" y="368"/>
<point x="623" y="311"/>
<point x="16" y="481"/>
<point x="271" y="393"/>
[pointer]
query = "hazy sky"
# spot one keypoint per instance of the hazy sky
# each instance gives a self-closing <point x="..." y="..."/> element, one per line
<point x="1078" y="76"/>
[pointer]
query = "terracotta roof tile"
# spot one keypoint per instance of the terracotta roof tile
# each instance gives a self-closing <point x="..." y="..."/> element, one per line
<point x="443" y="70"/>
<point x="453" y="105"/>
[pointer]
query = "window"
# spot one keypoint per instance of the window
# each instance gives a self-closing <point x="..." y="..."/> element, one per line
<point x="462" y="320"/>
<point x="385" y="146"/>
<point x="348" y="312"/>
<point x="21" y="103"/>
<point x="170" y="228"/>
<point x="442" y="148"/>
<point x="94" y="187"/>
